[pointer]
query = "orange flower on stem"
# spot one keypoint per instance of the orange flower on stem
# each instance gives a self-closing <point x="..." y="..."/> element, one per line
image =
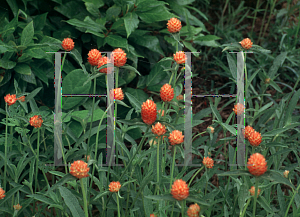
<point x="2" y="193"/>
<point x="180" y="189"/>
<point x="174" y="25"/>
<point x="149" y="112"/>
<point x="10" y="99"/>
<point x="152" y="215"/>
<point x="102" y="61"/>
<point x="67" y="44"/>
<point x="118" y="94"/>
<point x="22" y="98"/>
<point x="119" y="57"/>
<point x="94" y="56"/>
<point x="193" y="210"/>
<point x="179" y="57"/>
<point x="246" y="43"/>
<point x="17" y="207"/>
<point x="158" y="129"/>
<point x="238" y="109"/>
<point x="252" y="191"/>
<point x="248" y="131"/>
<point x="176" y="137"/>
<point x="179" y="97"/>
<point x="166" y="93"/>
<point x="257" y="164"/>
<point x="114" y="186"/>
<point x="36" y="121"/>
<point x="208" y="162"/>
<point x="79" y="169"/>
<point x="286" y="173"/>
<point x="255" y="138"/>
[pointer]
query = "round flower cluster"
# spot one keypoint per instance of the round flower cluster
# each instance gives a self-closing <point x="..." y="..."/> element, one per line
<point x="253" y="137"/>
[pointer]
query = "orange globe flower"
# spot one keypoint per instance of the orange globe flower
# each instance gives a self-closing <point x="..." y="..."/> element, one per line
<point x="246" y="43"/>
<point x="2" y="193"/>
<point x="248" y="131"/>
<point x="176" y="137"/>
<point x="36" y="121"/>
<point x="208" y="162"/>
<point x="119" y="57"/>
<point x="238" y="109"/>
<point x="94" y="56"/>
<point x="102" y="61"/>
<point x="149" y="112"/>
<point x="152" y="215"/>
<point x="79" y="169"/>
<point x="163" y="112"/>
<point x="212" y="130"/>
<point x="252" y="191"/>
<point x="180" y="189"/>
<point x="117" y="94"/>
<point x="174" y="25"/>
<point x="166" y="93"/>
<point x="22" y="98"/>
<point x="255" y="138"/>
<point x="10" y="99"/>
<point x="257" y="164"/>
<point x="179" y="57"/>
<point x="286" y="173"/>
<point x="179" y="97"/>
<point x="193" y="210"/>
<point x="67" y="44"/>
<point x="158" y="129"/>
<point x="17" y="207"/>
<point x="114" y="186"/>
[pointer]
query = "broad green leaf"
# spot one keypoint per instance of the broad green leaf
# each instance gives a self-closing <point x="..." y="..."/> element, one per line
<point x="88" y="24"/>
<point x="149" y="5"/>
<point x="116" y="41"/>
<point x="156" y="14"/>
<point x="83" y="114"/>
<point x="157" y="73"/>
<point x="131" y="69"/>
<point x="13" y="6"/>
<point x="150" y="42"/>
<point x="39" y="21"/>
<point x="276" y="64"/>
<point x="131" y="22"/>
<point x="134" y="102"/>
<point x="232" y="66"/>
<point x="184" y="2"/>
<point x="242" y="195"/>
<point x="6" y="64"/>
<point x="191" y="48"/>
<point x="274" y="176"/>
<point x="71" y="202"/>
<point x="27" y="34"/>
<point x="113" y="12"/>
<point x="264" y="204"/>
<point x="23" y="68"/>
<point x="291" y="106"/>
<point x="236" y="173"/>
<point x="76" y="55"/>
<point x="207" y="38"/>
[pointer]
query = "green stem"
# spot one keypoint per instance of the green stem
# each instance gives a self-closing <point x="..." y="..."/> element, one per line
<point x="173" y="165"/>
<point x="84" y="199"/>
<point x="182" y="208"/>
<point x="247" y="204"/>
<point x="263" y="21"/>
<point x="118" y="205"/>
<point x="257" y="4"/>
<point x="5" y="151"/>
<point x="195" y="175"/>
<point x="246" y="75"/>
<point x="272" y="8"/>
<point x="37" y="160"/>
<point x="296" y="35"/>
<point x="255" y="196"/>
<point x="157" y="165"/>
<point x="291" y="201"/>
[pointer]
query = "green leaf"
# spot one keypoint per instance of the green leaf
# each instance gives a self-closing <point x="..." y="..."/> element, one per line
<point x="278" y="61"/>
<point x="113" y="12"/>
<point x="291" y="107"/>
<point x="232" y="66"/>
<point x="191" y="48"/>
<point x="27" y="34"/>
<point x="9" y="194"/>
<point x="134" y="102"/>
<point x="197" y="200"/>
<point x="207" y="38"/>
<point x="43" y="199"/>
<point x="264" y="204"/>
<point x="131" y="69"/>
<point x="156" y="14"/>
<point x="6" y="64"/>
<point x="23" y="68"/>
<point x="216" y="112"/>
<point x="39" y="21"/>
<point x="166" y="197"/>
<point x="235" y="173"/>
<point x="149" y="5"/>
<point x="150" y="42"/>
<point x="274" y="176"/>
<point x="157" y="74"/>
<point x="13" y="6"/>
<point x="76" y="55"/>
<point x="83" y="114"/>
<point x="116" y="41"/>
<point x="275" y="86"/>
<point x="131" y="22"/>
<point x="71" y="202"/>
<point x="242" y="195"/>
<point x="184" y="2"/>
<point x="87" y="24"/>
<point x="279" y="131"/>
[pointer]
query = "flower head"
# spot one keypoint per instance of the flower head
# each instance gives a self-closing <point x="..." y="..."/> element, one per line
<point x="179" y="97"/>
<point x="252" y="191"/>
<point x="212" y="130"/>
<point x="174" y="25"/>
<point x="94" y="56"/>
<point x="257" y="164"/>
<point x="68" y="44"/>
<point x="246" y="43"/>
<point x="17" y="207"/>
<point x="158" y="129"/>
<point x="179" y="57"/>
<point x="238" y="109"/>
<point x="254" y="138"/>
<point x="2" y="193"/>
<point x="152" y="215"/>
<point x="248" y="131"/>
<point x="166" y="93"/>
<point x="193" y="210"/>
<point x="79" y="169"/>
<point x="176" y="137"/>
<point x="36" y="121"/>
<point x="119" y="57"/>
<point x="114" y="186"/>
<point x="208" y="162"/>
<point x="180" y="189"/>
<point x="163" y="112"/>
<point x="102" y="61"/>
<point x="22" y="98"/>
<point x="286" y="173"/>
<point x="267" y="80"/>
<point x="118" y="94"/>
<point x="149" y="112"/>
<point x="10" y="99"/>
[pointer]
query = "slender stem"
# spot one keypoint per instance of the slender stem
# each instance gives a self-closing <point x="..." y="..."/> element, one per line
<point x="5" y="151"/>
<point x="255" y="196"/>
<point x="157" y="165"/>
<point x="263" y="21"/>
<point x="296" y="35"/>
<point x="84" y="199"/>
<point x="118" y="205"/>
<point x="257" y="4"/>
<point x="195" y="175"/>
<point x="37" y="160"/>
<point x="182" y="208"/>
<point x="173" y="165"/>
<point x="172" y="210"/>
<point x="245" y="208"/>
<point x="272" y="8"/>
<point x="291" y="201"/>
